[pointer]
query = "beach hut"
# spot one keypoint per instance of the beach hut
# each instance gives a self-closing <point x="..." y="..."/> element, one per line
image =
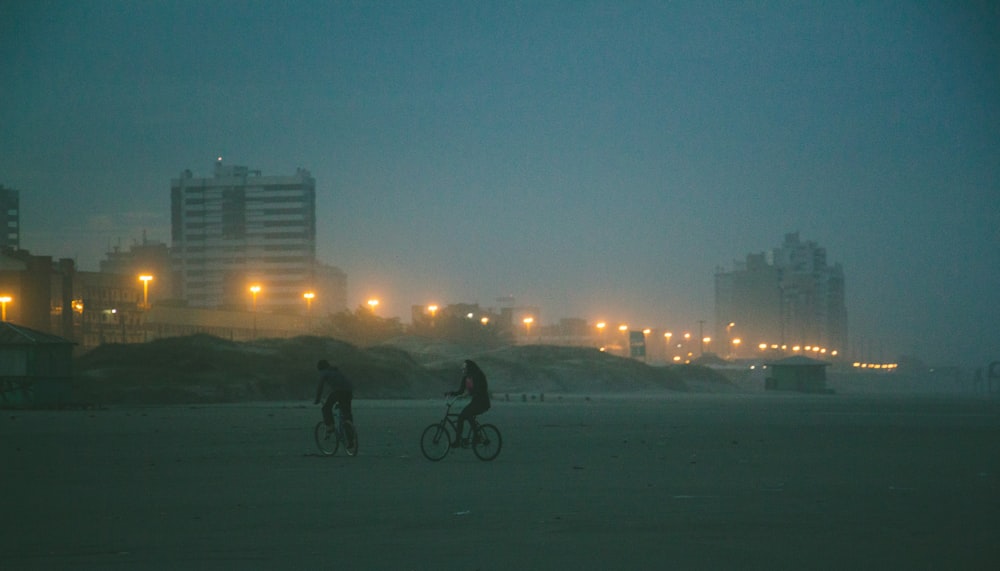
<point x="797" y="373"/>
<point x="35" y="367"/>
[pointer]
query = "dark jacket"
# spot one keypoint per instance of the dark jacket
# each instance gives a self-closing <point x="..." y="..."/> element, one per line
<point x="474" y="381"/>
<point x="335" y="380"/>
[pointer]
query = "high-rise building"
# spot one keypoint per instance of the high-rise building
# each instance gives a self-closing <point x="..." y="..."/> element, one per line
<point x="240" y="229"/>
<point x="788" y="297"/>
<point x="10" y="218"/>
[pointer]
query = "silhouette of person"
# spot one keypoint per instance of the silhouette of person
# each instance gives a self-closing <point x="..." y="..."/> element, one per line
<point x="341" y="390"/>
<point x="474" y="384"/>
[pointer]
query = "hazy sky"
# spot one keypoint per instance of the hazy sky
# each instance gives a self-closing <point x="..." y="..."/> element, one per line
<point x="597" y="159"/>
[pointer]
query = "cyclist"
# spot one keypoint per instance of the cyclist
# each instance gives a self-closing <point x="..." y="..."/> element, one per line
<point x="473" y="383"/>
<point x="341" y="390"/>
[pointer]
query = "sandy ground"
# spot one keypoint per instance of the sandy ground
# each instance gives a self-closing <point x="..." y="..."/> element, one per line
<point x="758" y="481"/>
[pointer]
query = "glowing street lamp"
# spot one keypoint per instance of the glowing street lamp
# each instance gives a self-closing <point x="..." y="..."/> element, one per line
<point x="309" y="297"/>
<point x="145" y="279"/>
<point x="4" y="300"/>
<point x="372" y="303"/>
<point x="527" y="325"/>
<point x="254" y="290"/>
<point x="433" y="310"/>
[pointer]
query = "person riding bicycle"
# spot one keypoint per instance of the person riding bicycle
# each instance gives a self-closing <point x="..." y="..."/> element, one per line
<point x="341" y="390"/>
<point x="474" y="384"/>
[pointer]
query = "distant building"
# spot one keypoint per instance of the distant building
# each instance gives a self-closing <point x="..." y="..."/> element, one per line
<point x="26" y="281"/>
<point x="240" y="228"/>
<point x="148" y="258"/>
<point x="788" y="298"/>
<point x="10" y="218"/>
<point x="330" y="285"/>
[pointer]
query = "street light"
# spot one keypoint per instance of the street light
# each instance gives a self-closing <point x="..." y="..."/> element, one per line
<point x="3" y="304"/>
<point x="145" y="279"/>
<point x="527" y="325"/>
<point x="309" y="297"/>
<point x="372" y="303"/>
<point x="433" y="310"/>
<point x="254" y="290"/>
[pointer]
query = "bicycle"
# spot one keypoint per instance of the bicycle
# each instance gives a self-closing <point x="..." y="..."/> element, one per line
<point x="435" y="442"/>
<point x="328" y="441"/>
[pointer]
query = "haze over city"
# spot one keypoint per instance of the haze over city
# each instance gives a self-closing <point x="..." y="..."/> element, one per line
<point x="598" y="160"/>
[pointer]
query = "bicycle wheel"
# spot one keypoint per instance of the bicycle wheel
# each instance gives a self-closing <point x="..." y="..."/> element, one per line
<point x="327" y="442"/>
<point x="350" y="438"/>
<point x="435" y="441"/>
<point x="486" y="442"/>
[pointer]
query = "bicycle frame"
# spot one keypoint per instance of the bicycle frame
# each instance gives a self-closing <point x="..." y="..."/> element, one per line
<point x="484" y="439"/>
<point x="451" y="418"/>
<point x="338" y="434"/>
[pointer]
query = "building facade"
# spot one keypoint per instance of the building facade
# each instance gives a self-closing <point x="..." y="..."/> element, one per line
<point x="790" y="297"/>
<point x="239" y="229"/>
<point x="147" y="263"/>
<point x="10" y="218"/>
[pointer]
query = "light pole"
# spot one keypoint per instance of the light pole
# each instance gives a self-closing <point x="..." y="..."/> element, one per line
<point x="624" y="329"/>
<point x="373" y="303"/>
<point x="309" y="296"/>
<point x="645" y="347"/>
<point x="3" y="304"/>
<point x="701" y="333"/>
<point x="254" y="290"/>
<point x="145" y="279"/>
<point x="667" y="337"/>
<point x="527" y="326"/>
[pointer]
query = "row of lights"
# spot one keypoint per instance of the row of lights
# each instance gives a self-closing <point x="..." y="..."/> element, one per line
<point x="798" y="348"/>
<point x="876" y="366"/>
<point x="309" y="296"/>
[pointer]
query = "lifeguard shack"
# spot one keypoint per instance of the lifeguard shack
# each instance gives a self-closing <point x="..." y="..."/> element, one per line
<point x="797" y="373"/>
<point x="36" y="368"/>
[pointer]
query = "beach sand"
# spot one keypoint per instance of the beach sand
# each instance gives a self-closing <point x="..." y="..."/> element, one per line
<point x="676" y="481"/>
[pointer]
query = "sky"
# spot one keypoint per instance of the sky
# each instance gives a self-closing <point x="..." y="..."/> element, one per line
<point x="600" y="160"/>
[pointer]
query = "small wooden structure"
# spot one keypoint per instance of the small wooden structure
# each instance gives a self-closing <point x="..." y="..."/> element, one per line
<point x="36" y="368"/>
<point x="797" y="373"/>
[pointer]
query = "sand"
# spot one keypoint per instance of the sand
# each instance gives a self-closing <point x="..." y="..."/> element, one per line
<point x="738" y="481"/>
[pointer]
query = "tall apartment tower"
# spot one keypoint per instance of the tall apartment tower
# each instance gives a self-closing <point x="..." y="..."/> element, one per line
<point x="10" y="218"/>
<point x="790" y="297"/>
<point x="240" y="229"/>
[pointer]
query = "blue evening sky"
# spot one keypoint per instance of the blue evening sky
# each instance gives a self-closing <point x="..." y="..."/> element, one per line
<point x="597" y="159"/>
